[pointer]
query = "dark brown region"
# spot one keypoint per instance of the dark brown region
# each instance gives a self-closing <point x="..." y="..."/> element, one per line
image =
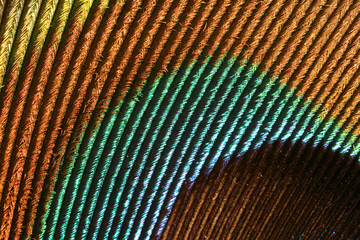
<point x="279" y="191"/>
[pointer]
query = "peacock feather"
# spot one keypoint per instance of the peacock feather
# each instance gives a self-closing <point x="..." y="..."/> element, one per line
<point x="179" y="119"/>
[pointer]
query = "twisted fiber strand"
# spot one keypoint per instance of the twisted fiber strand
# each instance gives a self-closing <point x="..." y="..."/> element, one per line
<point x="10" y="19"/>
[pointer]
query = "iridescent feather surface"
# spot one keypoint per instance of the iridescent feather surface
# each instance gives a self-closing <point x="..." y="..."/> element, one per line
<point x="179" y="119"/>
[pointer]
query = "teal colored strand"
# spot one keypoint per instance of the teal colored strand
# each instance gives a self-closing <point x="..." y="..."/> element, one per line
<point x="147" y="125"/>
<point x="320" y="133"/>
<point x="226" y="147"/>
<point x="82" y="152"/>
<point x="195" y="143"/>
<point x="341" y="138"/>
<point x="126" y="201"/>
<point x="292" y="116"/>
<point x="270" y="86"/>
<point x="95" y="143"/>
<point x="303" y="125"/>
<point x="288" y="109"/>
<point x="270" y="119"/>
<point x="122" y="122"/>
<point x="108" y="192"/>
<point x="349" y="145"/>
<point x="158" y="175"/>
<point x="160" y="147"/>
<point x="280" y="119"/>
<point x="288" y="116"/>
<point x="326" y="132"/>
<point x="165" y="160"/>
<point x="280" y="97"/>
<point x="338" y="135"/>
<point x="266" y="126"/>
<point x="100" y="217"/>
<point x="198" y="162"/>
<point x="289" y="125"/>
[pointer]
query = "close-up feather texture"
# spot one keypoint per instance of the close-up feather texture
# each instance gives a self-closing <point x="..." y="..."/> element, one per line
<point x="179" y="119"/>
